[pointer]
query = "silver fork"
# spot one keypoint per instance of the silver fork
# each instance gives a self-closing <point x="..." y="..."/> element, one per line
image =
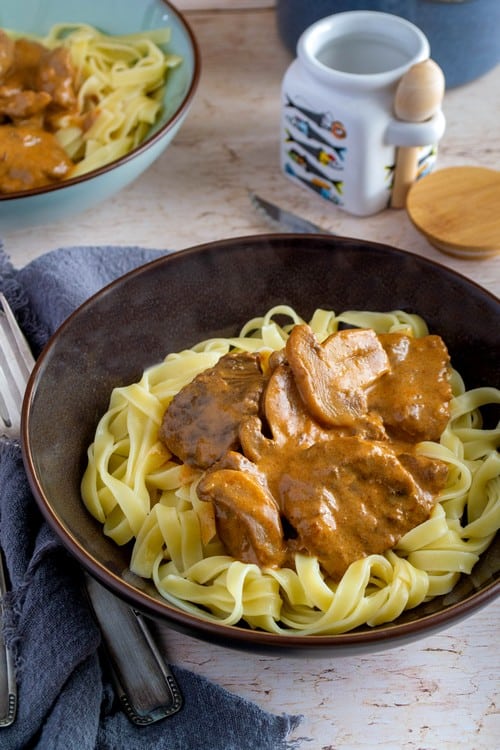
<point x="143" y="682"/>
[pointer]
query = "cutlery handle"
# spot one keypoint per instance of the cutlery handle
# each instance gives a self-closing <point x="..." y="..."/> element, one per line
<point x="143" y="682"/>
<point x="8" y="688"/>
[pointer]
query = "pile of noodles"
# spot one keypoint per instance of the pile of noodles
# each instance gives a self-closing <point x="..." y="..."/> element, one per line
<point x="138" y="493"/>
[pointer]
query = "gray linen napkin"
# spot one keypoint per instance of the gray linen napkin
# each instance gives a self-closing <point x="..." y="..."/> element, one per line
<point x="65" y="700"/>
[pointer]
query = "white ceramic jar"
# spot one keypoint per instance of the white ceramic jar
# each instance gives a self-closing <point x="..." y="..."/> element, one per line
<point x="339" y="135"/>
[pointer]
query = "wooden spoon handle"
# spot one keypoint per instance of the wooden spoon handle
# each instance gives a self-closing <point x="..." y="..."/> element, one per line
<point x="405" y="174"/>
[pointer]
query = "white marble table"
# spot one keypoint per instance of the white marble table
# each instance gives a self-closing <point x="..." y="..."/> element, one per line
<point x="442" y="692"/>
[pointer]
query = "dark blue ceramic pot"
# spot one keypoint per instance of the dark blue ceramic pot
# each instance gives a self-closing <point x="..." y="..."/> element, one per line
<point x="464" y="35"/>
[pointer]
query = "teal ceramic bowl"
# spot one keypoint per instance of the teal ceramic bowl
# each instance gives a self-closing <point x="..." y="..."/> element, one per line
<point x="49" y="204"/>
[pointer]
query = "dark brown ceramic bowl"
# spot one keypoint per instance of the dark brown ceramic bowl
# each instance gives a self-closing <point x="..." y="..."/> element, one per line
<point x="212" y="290"/>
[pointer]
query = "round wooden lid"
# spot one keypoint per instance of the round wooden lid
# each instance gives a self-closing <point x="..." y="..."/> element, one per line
<point x="458" y="210"/>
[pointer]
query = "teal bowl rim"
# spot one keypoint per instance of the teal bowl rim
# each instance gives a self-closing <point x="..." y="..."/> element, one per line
<point x="149" y="141"/>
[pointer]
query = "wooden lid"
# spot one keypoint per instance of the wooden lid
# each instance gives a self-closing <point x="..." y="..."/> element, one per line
<point x="458" y="210"/>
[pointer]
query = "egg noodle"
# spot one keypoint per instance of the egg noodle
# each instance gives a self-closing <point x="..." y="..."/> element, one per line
<point x="133" y="487"/>
<point x="120" y="86"/>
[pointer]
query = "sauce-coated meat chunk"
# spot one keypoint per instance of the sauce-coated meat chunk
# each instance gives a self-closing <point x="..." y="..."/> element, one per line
<point x="348" y="498"/>
<point x="30" y="157"/>
<point x="37" y="94"/>
<point x="413" y="398"/>
<point x="202" y="421"/>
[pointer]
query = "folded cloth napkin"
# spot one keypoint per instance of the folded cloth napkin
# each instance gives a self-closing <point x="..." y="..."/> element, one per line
<point x="65" y="700"/>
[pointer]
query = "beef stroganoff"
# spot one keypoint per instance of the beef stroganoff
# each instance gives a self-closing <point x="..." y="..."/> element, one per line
<point x="75" y="100"/>
<point x="300" y="477"/>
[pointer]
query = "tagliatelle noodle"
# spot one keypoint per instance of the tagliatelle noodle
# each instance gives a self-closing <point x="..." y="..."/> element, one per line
<point x="132" y="486"/>
<point x="121" y="82"/>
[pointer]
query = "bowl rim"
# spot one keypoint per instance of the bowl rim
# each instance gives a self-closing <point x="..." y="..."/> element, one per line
<point x="146" y="144"/>
<point x="385" y="635"/>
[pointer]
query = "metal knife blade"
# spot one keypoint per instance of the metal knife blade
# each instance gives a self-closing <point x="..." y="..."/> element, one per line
<point x="285" y="220"/>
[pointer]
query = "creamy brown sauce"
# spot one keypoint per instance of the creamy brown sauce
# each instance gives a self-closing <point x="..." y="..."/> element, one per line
<point x="320" y="455"/>
<point x="37" y="90"/>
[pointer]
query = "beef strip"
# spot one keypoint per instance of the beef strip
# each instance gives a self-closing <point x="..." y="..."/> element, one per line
<point x="413" y="398"/>
<point x="349" y="498"/>
<point x="30" y="157"/>
<point x="55" y="75"/>
<point x="23" y="105"/>
<point x="202" y="421"/>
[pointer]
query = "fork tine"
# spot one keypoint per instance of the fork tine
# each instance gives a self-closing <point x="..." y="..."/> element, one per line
<point x="9" y="406"/>
<point x="10" y="386"/>
<point x="17" y="335"/>
<point x="16" y="363"/>
<point x="14" y="370"/>
<point x="4" y="411"/>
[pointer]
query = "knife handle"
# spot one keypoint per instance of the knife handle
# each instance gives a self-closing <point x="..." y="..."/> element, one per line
<point x="143" y="681"/>
<point x="8" y="687"/>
